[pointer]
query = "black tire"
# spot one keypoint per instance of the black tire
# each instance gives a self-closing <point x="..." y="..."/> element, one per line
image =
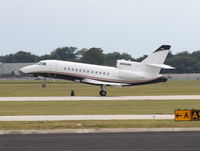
<point x="102" y="93"/>
<point x="44" y="85"/>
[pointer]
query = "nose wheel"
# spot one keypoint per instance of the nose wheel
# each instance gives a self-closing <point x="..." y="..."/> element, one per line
<point x="43" y="84"/>
<point x="103" y="92"/>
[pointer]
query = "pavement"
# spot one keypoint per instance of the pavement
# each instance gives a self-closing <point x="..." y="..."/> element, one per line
<point x="146" y="141"/>
<point x="88" y="98"/>
<point x="82" y="117"/>
<point x="100" y="130"/>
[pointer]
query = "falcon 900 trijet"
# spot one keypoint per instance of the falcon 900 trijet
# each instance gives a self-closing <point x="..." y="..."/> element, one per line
<point x="126" y="73"/>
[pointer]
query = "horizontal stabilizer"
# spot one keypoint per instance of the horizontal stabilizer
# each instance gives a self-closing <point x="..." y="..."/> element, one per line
<point x="96" y="82"/>
<point x="163" y="66"/>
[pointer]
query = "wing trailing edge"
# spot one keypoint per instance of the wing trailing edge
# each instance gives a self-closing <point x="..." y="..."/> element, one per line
<point x="97" y="82"/>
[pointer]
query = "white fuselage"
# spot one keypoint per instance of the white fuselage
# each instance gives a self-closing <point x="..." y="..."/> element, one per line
<point x="126" y="73"/>
<point x="80" y="71"/>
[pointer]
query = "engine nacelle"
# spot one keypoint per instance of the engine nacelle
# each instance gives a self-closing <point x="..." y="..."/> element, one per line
<point x="126" y="74"/>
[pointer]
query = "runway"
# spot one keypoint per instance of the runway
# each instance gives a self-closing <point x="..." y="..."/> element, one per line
<point x="82" y="117"/>
<point x="91" y="98"/>
<point x="143" y="141"/>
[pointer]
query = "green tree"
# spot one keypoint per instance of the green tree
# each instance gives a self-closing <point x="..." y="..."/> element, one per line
<point x="20" y="56"/>
<point x="111" y="58"/>
<point x="184" y="62"/>
<point x="64" y="53"/>
<point x="93" y="56"/>
<point x="79" y="54"/>
<point x="45" y="57"/>
<point x="196" y="54"/>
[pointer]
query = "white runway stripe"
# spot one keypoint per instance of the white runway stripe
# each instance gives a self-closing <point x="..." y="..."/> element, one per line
<point x="82" y="98"/>
<point x="82" y="117"/>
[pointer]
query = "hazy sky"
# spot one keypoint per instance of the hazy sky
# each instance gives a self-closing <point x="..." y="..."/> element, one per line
<point x="136" y="27"/>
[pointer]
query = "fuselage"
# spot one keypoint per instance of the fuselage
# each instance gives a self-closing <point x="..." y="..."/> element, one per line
<point x="126" y="73"/>
<point x="80" y="71"/>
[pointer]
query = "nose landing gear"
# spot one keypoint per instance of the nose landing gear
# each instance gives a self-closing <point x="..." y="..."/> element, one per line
<point x="103" y="92"/>
<point x="43" y="83"/>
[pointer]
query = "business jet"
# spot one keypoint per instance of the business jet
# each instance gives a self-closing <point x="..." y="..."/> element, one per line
<point x="126" y="73"/>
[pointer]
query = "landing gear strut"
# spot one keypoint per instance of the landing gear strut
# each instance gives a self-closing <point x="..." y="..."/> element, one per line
<point x="103" y="92"/>
<point x="43" y="83"/>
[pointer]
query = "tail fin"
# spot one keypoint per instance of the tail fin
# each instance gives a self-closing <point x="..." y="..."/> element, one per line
<point x="158" y="56"/>
<point x="154" y="62"/>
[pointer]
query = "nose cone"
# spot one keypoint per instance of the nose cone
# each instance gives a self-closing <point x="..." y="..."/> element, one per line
<point x="25" y="69"/>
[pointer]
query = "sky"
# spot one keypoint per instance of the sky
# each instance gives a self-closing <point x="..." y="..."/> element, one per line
<point x="136" y="27"/>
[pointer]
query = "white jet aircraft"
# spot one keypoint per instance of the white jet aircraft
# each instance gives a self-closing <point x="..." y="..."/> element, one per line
<point x="126" y="73"/>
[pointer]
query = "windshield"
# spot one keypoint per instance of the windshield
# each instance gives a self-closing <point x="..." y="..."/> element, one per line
<point x="41" y="63"/>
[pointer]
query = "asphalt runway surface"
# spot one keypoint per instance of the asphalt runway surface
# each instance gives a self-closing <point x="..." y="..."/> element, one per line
<point x="87" y="98"/>
<point x="145" y="141"/>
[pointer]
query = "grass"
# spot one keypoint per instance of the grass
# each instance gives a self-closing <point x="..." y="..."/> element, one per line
<point x="96" y="107"/>
<point x="62" y="88"/>
<point x="44" y="125"/>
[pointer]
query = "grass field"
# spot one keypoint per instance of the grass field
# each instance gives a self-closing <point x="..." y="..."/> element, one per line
<point x="96" y="107"/>
<point x="96" y="124"/>
<point x="62" y="88"/>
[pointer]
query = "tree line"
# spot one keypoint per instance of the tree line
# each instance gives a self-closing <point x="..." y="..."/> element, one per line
<point x="184" y="62"/>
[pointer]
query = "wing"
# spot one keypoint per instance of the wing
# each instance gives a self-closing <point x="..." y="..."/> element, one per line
<point x="96" y="82"/>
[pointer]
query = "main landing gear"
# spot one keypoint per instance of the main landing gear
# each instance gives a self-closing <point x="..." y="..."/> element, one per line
<point x="103" y="92"/>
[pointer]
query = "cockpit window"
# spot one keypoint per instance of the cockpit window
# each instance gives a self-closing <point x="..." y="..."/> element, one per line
<point x="42" y="63"/>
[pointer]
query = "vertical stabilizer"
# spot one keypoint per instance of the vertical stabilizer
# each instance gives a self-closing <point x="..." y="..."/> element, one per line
<point x="154" y="62"/>
<point x="158" y="56"/>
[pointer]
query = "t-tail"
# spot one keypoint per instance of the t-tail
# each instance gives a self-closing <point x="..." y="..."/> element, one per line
<point x="148" y="69"/>
<point x="155" y="62"/>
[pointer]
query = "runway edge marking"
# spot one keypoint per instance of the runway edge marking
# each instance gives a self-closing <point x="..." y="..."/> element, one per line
<point x="82" y="117"/>
<point x="100" y="130"/>
<point x="85" y="98"/>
